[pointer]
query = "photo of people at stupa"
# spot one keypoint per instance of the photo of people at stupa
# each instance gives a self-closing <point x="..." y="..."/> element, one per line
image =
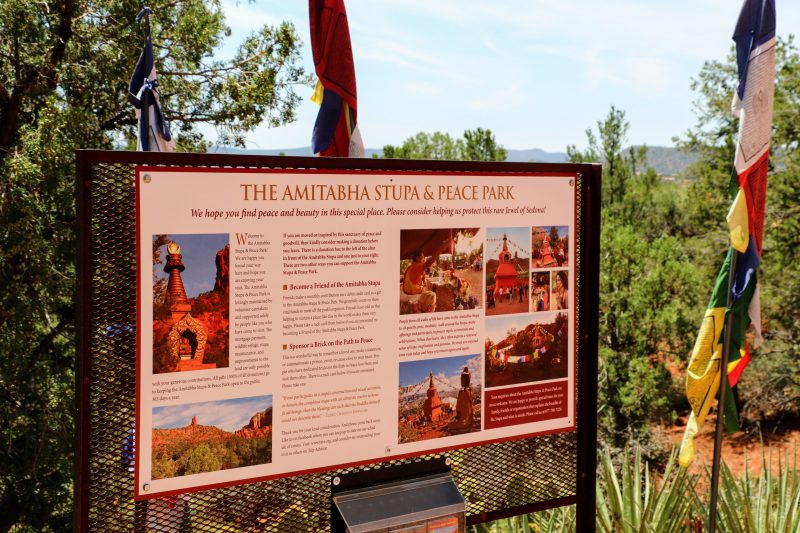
<point x="439" y="398"/>
<point x="441" y="270"/>
<point x="190" y="302"/>
<point x="540" y="291"/>
<point x="560" y="286"/>
<point x="549" y="246"/>
<point x="507" y="267"/>
<point x="526" y="348"/>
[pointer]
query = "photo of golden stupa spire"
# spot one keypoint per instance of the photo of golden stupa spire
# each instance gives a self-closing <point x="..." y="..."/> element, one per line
<point x="190" y="302"/>
<point x="439" y="398"/>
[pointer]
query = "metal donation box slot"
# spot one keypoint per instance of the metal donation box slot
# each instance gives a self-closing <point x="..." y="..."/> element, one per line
<point x="429" y="504"/>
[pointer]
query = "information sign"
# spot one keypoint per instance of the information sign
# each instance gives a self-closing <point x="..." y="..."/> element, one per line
<point x="292" y="321"/>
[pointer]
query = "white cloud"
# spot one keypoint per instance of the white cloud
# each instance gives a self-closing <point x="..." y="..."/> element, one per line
<point x="474" y="366"/>
<point x="502" y="99"/>
<point x="395" y="53"/>
<point x="648" y="72"/>
<point x="598" y="71"/>
<point x="489" y="44"/>
<point x="426" y="90"/>
<point x="240" y="15"/>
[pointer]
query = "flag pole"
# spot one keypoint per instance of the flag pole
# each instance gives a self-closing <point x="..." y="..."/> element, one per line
<point x="145" y="95"/>
<point x="723" y="385"/>
<point x="141" y="507"/>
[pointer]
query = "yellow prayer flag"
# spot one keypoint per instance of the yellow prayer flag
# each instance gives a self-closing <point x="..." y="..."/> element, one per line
<point x="738" y="222"/>
<point x="702" y="378"/>
<point x="319" y="92"/>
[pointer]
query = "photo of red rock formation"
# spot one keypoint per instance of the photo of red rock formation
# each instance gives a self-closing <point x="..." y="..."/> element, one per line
<point x="210" y="436"/>
<point x="190" y="302"/>
<point x="439" y="398"/>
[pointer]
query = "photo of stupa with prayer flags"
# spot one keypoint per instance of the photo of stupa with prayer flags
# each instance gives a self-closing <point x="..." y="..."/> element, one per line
<point x="526" y="348"/>
<point x="507" y="268"/>
<point x="439" y="398"/>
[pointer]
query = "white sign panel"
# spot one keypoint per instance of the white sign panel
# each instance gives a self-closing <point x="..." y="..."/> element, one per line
<point x="292" y="321"/>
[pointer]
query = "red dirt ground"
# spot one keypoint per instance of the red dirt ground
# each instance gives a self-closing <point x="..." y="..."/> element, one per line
<point x="742" y="446"/>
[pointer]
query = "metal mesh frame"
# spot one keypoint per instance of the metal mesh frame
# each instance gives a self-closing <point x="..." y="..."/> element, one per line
<point x="497" y="480"/>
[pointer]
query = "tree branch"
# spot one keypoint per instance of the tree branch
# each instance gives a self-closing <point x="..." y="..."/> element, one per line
<point x="122" y="118"/>
<point x="41" y="79"/>
<point x="213" y="70"/>
<point x="4" y="96"/>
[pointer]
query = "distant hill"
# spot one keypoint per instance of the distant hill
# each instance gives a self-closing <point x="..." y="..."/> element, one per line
<point x="303" y="151"/>
<point x="665" y="160"/>
<point x="535" y="155"/>
<point x="669" y="161"/>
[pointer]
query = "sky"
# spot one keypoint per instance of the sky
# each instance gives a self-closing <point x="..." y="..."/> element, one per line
<point x="518" y="241"/>
<point x="199" y="255"/>
<point x="496" y="328"/>
<point x="464" y="245"/>
<point x="538" y="73"/>
<point x="563" y="231"/>
<point x="228" y="415"/>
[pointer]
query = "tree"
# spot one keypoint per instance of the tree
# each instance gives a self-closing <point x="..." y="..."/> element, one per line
<point x="523" y="342"/>
<point x="160" y="296"/>
<point x="436" y="145"/>
<point x="553" y="236"/>
<point x="480" y="145"/>
<point x="648" y="310"/>
<point x="477" y="145"/>
<point x="606" y="147"/>
<point x="201" y="459"/>
<point x="64" y="69"/>
<point x="648" y="316"/>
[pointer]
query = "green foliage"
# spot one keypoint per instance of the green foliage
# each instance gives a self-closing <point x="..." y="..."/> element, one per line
<point x="648" y="308"/>
<point x="477" y="145"/>
<point x="768" y="502"/>
<point x="606" y="147"/>
<point x="202" y="459"/>
<point x="560" y="520"/>
<point x="523" y="343"/>
<point x="480" y="145"/>
<point x="163" y="360"/>
<point x="64" y="71"/>
<point x="183" y="457"/>
<point x="674" y="500"/>
<point x="295" y="519"/>
<point x="423" y="145"/>
<point x="642" y="502"/>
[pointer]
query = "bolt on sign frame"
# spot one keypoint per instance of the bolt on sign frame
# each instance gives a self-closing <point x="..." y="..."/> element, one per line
<point x="500" y="478"/>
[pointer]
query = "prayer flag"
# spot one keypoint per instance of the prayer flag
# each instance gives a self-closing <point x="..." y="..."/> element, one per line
<point x="336" y="129"/>
<point x="153" y="131"/>
<point x="752" y="104"/>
